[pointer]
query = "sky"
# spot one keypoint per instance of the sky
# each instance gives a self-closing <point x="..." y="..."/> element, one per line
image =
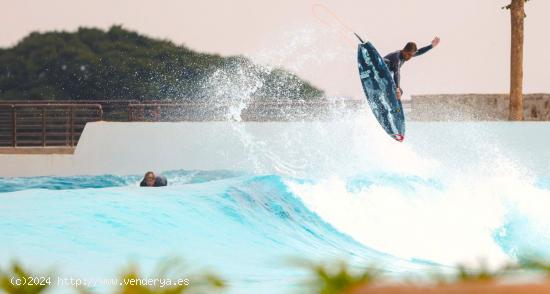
<point x="473" y="56"/>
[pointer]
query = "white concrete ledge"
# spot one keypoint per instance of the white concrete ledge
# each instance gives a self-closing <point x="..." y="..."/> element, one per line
<point x="37" y="150"/>
<point x="294" y="148"/>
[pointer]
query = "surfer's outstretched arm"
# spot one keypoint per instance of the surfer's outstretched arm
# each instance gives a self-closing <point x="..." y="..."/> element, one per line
<point x="423" y="50"/>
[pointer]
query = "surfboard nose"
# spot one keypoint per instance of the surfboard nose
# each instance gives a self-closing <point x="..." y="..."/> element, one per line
<point x="399" y="137"/>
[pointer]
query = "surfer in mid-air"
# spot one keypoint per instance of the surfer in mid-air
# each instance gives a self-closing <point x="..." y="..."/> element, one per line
<point x="396" y="59"/>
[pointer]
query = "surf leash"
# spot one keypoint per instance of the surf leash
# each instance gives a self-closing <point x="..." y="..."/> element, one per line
<point x="335" y="23"/>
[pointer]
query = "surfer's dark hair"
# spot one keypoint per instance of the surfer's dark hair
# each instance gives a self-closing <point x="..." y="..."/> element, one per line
<point x="410" y="47"/>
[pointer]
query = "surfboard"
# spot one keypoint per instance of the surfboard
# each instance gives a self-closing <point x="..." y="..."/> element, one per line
<point x="380" y="90"/>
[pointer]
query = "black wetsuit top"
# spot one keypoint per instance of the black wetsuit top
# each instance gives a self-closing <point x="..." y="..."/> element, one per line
<point x="159" y="182"/>
<point x="395" y="60"/>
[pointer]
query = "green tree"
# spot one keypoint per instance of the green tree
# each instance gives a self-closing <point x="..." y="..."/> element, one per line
<point x="120" y="64"/>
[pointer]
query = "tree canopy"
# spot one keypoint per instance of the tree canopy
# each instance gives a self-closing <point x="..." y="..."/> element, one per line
<point x="120" y="64"/>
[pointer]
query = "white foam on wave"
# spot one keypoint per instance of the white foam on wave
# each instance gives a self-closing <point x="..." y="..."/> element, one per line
<point x="457" y="221"/>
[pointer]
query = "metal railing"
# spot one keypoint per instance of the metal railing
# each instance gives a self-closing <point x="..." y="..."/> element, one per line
<point x="113" y="110"/>
<point x="45" y="124"/>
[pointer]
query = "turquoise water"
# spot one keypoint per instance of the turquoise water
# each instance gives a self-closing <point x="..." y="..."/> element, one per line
<point x="473" y="191"/>
<point x="246" y="228"/>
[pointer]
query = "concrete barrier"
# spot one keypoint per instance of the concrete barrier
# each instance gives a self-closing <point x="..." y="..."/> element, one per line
<point x="346" y="146"/>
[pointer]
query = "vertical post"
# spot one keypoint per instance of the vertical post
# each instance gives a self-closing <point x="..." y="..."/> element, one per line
<point x="14" y="126"/>
<point x="71" y="123"/>
<point x="43" y="126"/>
<point x="517" y="12"/>
<point x="130" y="113"/>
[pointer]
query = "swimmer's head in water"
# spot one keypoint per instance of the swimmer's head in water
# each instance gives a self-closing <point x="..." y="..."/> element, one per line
<point x="150" y="178"/>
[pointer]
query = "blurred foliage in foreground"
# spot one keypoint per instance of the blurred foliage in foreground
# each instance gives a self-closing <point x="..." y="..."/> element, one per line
<point x="326" y="279"/>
